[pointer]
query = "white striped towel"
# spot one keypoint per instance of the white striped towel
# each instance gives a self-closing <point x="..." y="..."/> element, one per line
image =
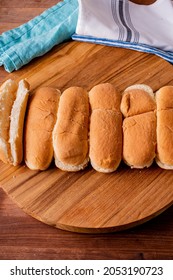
<point x="121" y="23"/>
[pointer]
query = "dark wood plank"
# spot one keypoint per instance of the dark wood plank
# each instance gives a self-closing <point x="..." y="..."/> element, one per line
<point x="22" y="237"/>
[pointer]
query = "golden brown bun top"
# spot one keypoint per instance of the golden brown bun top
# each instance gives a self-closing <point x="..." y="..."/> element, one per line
<point x="71" y="129"/>
<point x="74" y="99"/>
<point x="41" y="108"/>
<point x="46" y="92"/>
<point x="44" y="97"/>
<point x="164" y="98"/>
<point x="105" y="96"/>
<point x="73" y="112"/>
<point x="137" y="99"/>
<point x="39" y="124"/>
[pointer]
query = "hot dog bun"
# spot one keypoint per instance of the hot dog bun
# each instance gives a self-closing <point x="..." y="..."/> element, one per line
<point x="139" y="126"/>
<point x="105" y="128"/>
<point x="70" y="135"/>
<point x="17" y="122"/>
<point x="137" y="99"/>
<point x="40" y="121"/>
<point x="139" y="138"/>
<point x="7" y="96"/>
<point x="164" y="101"/>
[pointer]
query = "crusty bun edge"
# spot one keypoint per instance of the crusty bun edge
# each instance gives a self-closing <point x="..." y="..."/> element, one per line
<point x="144" y="87"/>
<point x="71" y="168"/>
<point x="104" y="170"/>
<point x="146" y="165"/>
<point x="163" y="165"/>
<point x="40" y="121"/>
<point x="34" y="166"/>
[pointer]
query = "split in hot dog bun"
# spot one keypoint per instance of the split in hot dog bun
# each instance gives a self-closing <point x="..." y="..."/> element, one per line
<point x="139" y="126"/>
<point x="137" y="99"/>
<point x="17" y="122"/>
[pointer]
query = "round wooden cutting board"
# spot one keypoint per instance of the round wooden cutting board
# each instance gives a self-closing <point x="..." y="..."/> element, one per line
<point x="89" y="201"/>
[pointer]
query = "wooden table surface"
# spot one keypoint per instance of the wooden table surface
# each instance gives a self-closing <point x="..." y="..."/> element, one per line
<point x="23" y="237"/>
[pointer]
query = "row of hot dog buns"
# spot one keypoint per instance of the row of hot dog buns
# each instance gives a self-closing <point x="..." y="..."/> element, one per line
<point x="102" y="126"/>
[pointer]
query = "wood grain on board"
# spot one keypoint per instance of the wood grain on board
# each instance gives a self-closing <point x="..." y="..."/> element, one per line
<point x="89" y="201"/>
<point x="23" y="237"/>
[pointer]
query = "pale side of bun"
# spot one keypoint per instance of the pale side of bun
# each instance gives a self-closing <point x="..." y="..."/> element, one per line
<point x="17" y="122"/>
<point x="105" y="128"/>
<point x="7" y="96"/>
<point x="40" y="120"/>
<point x="137" y="99"/>
<point x="164" y="100"/>
<point x="139" y="143"/>
<point x="70" y="134"/>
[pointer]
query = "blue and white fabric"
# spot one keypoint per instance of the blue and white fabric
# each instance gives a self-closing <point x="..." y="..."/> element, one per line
<point x="121" y="23"/>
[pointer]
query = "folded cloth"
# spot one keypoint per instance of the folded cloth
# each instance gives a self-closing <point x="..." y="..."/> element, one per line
<point x="121" y="23"/>
<point x="36" y="37"/>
